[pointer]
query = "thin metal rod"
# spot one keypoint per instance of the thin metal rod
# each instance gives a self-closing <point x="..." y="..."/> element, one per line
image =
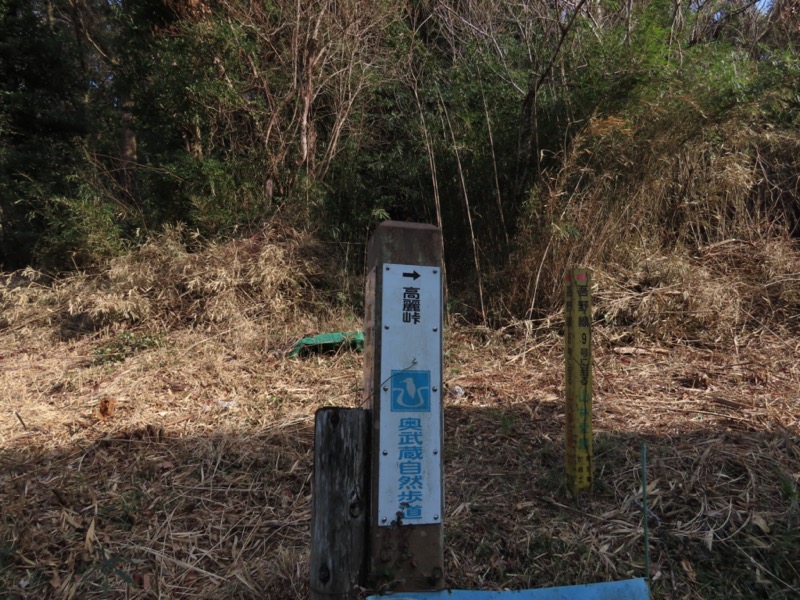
<point x="644" y="510"/>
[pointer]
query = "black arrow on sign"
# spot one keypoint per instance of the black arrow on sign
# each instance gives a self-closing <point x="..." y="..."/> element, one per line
<point x="413" y="275"/>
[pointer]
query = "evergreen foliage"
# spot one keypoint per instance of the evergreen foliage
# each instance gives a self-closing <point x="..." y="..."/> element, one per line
<point x="520" y="128"/>
<point x="42" y="118"/>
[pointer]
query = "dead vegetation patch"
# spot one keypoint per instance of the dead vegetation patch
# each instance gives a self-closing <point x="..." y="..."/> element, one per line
<point x="682" y="217"/>
<point x="720" y="295"/>
<point x="270" y="277"/>
<point x="182" y="469"/>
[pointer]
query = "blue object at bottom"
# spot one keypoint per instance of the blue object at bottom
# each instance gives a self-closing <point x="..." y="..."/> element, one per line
<point x="630" y="589"/>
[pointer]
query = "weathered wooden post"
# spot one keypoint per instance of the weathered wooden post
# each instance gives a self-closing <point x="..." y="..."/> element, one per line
<point x="340" y="503"/>
<point x="403" y="389"/>
<point x="578" y="375"/>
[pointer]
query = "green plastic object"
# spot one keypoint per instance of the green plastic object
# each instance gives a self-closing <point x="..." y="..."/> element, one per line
<point x="328" y="342"/>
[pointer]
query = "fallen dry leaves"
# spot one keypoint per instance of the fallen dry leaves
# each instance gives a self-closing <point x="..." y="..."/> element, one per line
<point x="183" y="470"/>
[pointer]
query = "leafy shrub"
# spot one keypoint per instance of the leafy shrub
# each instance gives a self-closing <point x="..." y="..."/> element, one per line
<point x="124" y="345"/>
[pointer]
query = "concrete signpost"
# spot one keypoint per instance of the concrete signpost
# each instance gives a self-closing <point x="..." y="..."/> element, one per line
<point x="403" y="375"/>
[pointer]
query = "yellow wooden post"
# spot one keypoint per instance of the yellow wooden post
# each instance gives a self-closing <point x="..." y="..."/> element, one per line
<point x="578" y="379"/>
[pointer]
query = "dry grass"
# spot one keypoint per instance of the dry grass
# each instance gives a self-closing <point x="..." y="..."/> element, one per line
<point x="669" y="202"/>
<point x="723" y="431"/>
<point x="182" y="469"/>
<point x="717" y="296"/>
<point x="270" y="276"/>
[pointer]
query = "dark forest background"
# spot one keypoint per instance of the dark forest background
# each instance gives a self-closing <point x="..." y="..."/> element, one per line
<point x="537" y="133"/>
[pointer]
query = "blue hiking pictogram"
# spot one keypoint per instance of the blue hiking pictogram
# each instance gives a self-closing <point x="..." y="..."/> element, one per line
<point x="411" y="391"/>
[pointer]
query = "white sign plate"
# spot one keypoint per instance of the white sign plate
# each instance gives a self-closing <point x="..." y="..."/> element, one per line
<point x="410" y="462"/>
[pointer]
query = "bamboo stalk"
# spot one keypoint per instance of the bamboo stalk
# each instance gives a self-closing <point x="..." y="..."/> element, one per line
<point x="463" y="182"/>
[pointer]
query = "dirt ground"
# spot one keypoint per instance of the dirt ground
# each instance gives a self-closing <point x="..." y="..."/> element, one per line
<point x="156" y="440"/>
<point x="177" y="464"/>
